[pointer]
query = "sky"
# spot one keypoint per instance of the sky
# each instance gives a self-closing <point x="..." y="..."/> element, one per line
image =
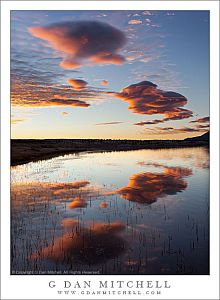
<point x="109" y="74"/>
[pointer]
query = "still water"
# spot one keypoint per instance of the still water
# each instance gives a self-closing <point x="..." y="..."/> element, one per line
<point x="133" y="212"/>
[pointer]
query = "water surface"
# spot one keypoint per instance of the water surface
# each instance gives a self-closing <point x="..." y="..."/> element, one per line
<point x="133" y="212"/>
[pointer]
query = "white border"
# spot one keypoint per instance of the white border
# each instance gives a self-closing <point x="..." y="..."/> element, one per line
<point x="36" y="287"/>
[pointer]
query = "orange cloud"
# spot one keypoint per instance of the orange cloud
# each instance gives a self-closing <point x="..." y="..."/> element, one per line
<point x="77" y="84"/>
<point x="135" y="22"/>
<point x="25" y="92"/>
<point x="66" y="102"/>
<point x="67" y="64"/>
<point x="145" y="98"/>
<point x="104" y="82"/>
<point x="148" y="187"/>
<point x="83" y="40"/>
<point x="108" y="58"/>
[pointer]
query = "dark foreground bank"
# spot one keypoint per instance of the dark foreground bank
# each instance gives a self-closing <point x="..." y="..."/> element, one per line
<point x="23" y="151"/>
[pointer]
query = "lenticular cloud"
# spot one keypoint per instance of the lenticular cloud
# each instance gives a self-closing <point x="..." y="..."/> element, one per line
<point x="83" y="40"/>
<point x="145" y="98"/>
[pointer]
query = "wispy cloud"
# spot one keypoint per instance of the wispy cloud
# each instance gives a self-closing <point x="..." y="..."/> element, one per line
<point x="32" y="92"/>
<point x="202" y="126"/>
<point x="201" y="120"/>
<point x="109" y="123"/>
<point x="172" y="130"/>
<point x="65" y="102"/>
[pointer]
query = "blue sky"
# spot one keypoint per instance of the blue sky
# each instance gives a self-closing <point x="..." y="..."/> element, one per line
<point x="168" y="48"/>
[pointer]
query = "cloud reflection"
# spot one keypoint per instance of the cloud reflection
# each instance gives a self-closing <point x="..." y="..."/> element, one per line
<point x="75" y="194"/>
<point x="149" y="187"/>
<point x="86" y="245"/>
<point x="77" y="203"/>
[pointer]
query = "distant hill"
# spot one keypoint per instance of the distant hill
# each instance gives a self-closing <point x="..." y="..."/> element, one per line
<point x="23" y="151"/>
<point x="203" y="137"/>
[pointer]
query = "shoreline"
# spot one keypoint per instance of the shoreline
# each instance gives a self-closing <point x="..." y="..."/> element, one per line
<point x="25" y="151"/>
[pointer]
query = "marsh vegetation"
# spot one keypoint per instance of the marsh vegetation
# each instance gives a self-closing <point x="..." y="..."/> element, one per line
<point x="133" y="212"/>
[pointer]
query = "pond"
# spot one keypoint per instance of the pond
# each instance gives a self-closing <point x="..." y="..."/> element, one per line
<point x="127" y="212"/>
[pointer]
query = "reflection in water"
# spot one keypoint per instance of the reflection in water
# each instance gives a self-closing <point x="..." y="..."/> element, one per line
<point x="75" y="193"/>
<point x="61" y="188"/>
<point x="87" y="245"/>
<point x="77" y="202"/>
<point x="103" y="204"/>
<point x="78" y="219"/>
<point x="148" y="187"/>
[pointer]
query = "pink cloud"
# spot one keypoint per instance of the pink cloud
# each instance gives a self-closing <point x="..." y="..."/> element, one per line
<point x="104" y="82"/>
<point x="145" y="98"/>
<point x="77" y="84"/>
<point x="83" y="40"/>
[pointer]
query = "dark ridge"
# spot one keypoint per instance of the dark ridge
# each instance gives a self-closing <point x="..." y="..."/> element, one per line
<point x="27" y="150"/>
<point x="204" y="137"/>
